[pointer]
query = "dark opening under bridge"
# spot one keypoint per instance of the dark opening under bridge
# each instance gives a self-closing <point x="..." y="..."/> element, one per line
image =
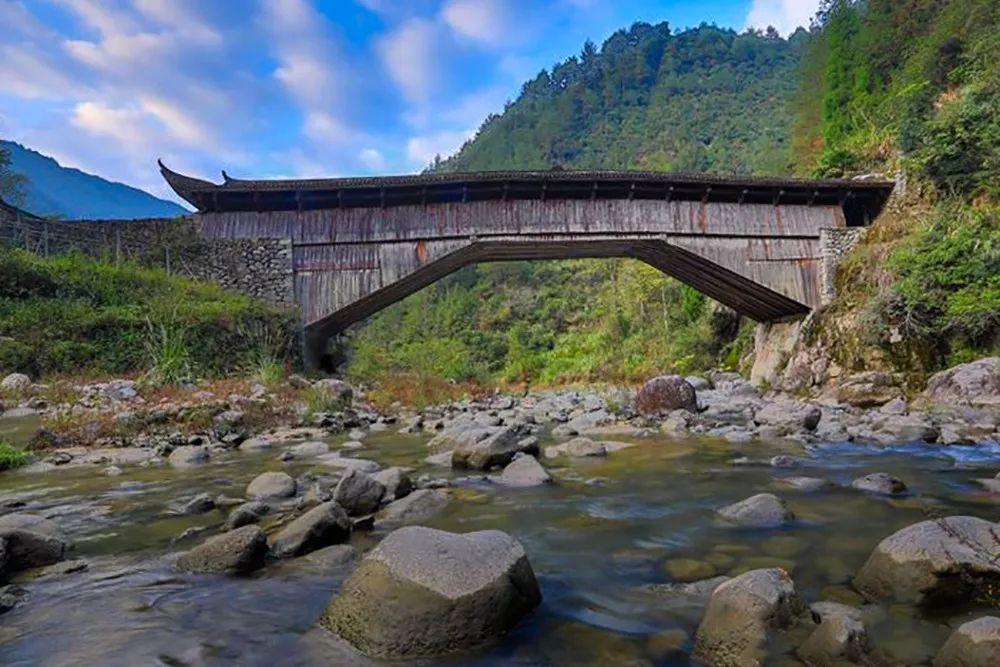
<point x="764" y="247"/>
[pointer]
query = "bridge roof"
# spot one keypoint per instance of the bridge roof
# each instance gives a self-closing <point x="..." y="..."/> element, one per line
<point x="862" y="199"/>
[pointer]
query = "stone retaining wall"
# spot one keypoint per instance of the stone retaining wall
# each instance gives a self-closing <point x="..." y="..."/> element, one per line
<point x="261" y="268"/>
<point x="834" y="244"/>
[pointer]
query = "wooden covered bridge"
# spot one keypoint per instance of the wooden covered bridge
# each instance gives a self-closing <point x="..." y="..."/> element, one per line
<point x="764" y="247"/>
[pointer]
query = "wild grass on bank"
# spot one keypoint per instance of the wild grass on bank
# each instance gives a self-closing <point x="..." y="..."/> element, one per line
<point x="11" y="457"/>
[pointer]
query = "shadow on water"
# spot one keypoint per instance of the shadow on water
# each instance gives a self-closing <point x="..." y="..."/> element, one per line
<point x="597" y="539"/>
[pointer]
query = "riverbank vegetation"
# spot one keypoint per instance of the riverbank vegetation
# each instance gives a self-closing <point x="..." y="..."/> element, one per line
<point x="76" y="315"/>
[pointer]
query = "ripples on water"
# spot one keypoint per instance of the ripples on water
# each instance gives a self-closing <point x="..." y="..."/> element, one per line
<point x="595" y="549"/>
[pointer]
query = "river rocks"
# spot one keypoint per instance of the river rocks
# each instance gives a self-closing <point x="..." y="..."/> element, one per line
<point x="840" y="637"/>
<point x="10" y="597"/>
<point x="335" y="460"/>
<point x="396" y="481"/>
<point x="15" y="382"/>
<point x="247" y="514"/>
<point x="424" y="593"/>
<point x="358" y="493"/>
<point x="524" y="471"/>
<point x="973" y="644"/>
<point x="788" y="417"/>
<point x="741" y="613"/>
<point x="578" y="447"/>
<point x="337" y="390"/>
<point x="237" y="552"/>
<point x="416" y="507"/>
<point x="936" y="562"/>
<point x="487" y="447"/>
<point x="271" y="485"/>
<point x="867" y="390"/>
<point x="187" y="456"/>
<point x="806" y="484"/>
<point x="311" y="448"/>
<point x="880" y="483"/>
<point x="764" y="510"/>
<point x="319" y="527"/>
<point x="27" y="549"/>
<point x="664" y="394"/>
<point x="200" y="504"/>
<point x="975" y="383"/>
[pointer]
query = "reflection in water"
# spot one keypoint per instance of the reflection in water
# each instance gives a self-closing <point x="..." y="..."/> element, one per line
<point x="595" y="547"/>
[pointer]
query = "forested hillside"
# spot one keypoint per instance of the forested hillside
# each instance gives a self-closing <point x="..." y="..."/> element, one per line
<point x="904" y="88"/>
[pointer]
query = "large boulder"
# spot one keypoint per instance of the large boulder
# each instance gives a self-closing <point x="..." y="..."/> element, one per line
<point x="29" y="541"/>
<point x="788" y="417"/>
<point x="187" y="456"/>
<point x="840" y="637"/>
<point x="524" y="471"/>
<point x="358" y="493"/>
<point x="935" y="562"/>
<point x="764" y="510"/>
<point x="975" y="383"/>
<point x="396" y="481"/>
<point x="741" y="613"/>
<point x="867" y="390"/>
<point x="496" y="448"/>
<point x="663" y="394"/>
<point x="880" y="483"/>
<point x="15" y="382"/>
<point x="237" y="552"/>
<point x="414" y="508"/>
<point x="424" y="593"/>
<point x="973" y="644"/>
<point x="320" y="527"/>
<point x="271" y="486"/>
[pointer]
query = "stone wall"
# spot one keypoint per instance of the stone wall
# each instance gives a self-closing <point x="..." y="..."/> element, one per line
<point x="261" y="268"/>
<point x="834" y="244"/>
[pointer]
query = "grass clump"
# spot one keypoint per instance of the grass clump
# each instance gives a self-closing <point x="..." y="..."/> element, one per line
<point x="11" y="457"/>
<point x="76" y="315"/>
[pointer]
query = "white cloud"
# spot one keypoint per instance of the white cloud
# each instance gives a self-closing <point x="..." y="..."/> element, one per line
<point x="126" y="126"/>
<point x="413" y="54"/>
<point x="483" y="20"/>
<point x="421" y="150"/>
<point x="784" y="15"/>
<point x="372" y="159"/>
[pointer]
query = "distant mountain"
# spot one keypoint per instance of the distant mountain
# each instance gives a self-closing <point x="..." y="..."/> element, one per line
<point x="70" y="193"/>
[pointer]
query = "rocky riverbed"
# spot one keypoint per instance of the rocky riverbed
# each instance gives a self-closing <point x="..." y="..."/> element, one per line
<point x="698" y="519"/>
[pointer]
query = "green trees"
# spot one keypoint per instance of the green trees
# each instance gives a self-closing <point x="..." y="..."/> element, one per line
<point x="11" y="183"/>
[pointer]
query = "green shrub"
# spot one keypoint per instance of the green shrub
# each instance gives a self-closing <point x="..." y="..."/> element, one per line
<point x="11" y="457"/>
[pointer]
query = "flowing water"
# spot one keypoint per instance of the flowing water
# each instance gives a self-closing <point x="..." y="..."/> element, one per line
<point x="597" y="539"/>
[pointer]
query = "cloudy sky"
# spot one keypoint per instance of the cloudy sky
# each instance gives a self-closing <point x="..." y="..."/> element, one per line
<point x="294" y="88"/>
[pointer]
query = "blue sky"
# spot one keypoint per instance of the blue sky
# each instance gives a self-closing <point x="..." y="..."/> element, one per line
<point x="295" y="88"/>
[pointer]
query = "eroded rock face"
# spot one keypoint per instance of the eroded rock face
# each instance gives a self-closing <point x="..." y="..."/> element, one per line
<point x="975" y="383"/>
<point x="666" y="393"/>
<point x="424" y="593"/>
<point x="320" y="527"/>
<point x="972" y="644"/>
<point x="271" y="485"/>
<point x="740" y="614"/>
<point x="764" y="510"/>
<point x="237" y="552"/>
<point x="936" y="562"/>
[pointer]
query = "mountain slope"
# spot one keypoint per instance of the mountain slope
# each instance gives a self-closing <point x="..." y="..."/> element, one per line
<point x="703" y="100"/>
<point x="70" y="193"/>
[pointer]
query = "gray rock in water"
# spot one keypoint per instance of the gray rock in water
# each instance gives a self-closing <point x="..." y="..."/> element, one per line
<point x="396" y="481"/>
<point x="582" y="447"/>
<point x="666" y="393"/>
<point x="28" y="541"/>
<point x="972" y="644"/>
<point x="320" y="527"/>
<point x="200" y="504"/>
<point x="418" y="506"/>
<point x="237" y="552"/>
<point x="497" y="448"/>
<point x="311" y="448"/>
<point x="880" y="483"/>
<point x="271" y="485"/>
<point x="247" y="514"/>
<point x="358" y="493"/>
<point x="522" y="472"/>
<point x="424" y="593"/>
<point x="807" y="484"/>
<point x="764" y="510"/>
<point x="740" y="615"/>
<point x="332" y="557"/>
<point x="10" y="597"/>
<point x="934" y="563"/>
<point x="840" y="637"/>
<point x="335" y="460"/>
<point x="187" y="456"/>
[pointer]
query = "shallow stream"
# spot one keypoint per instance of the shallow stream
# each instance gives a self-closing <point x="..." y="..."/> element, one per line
<point x="597" y="538"/>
